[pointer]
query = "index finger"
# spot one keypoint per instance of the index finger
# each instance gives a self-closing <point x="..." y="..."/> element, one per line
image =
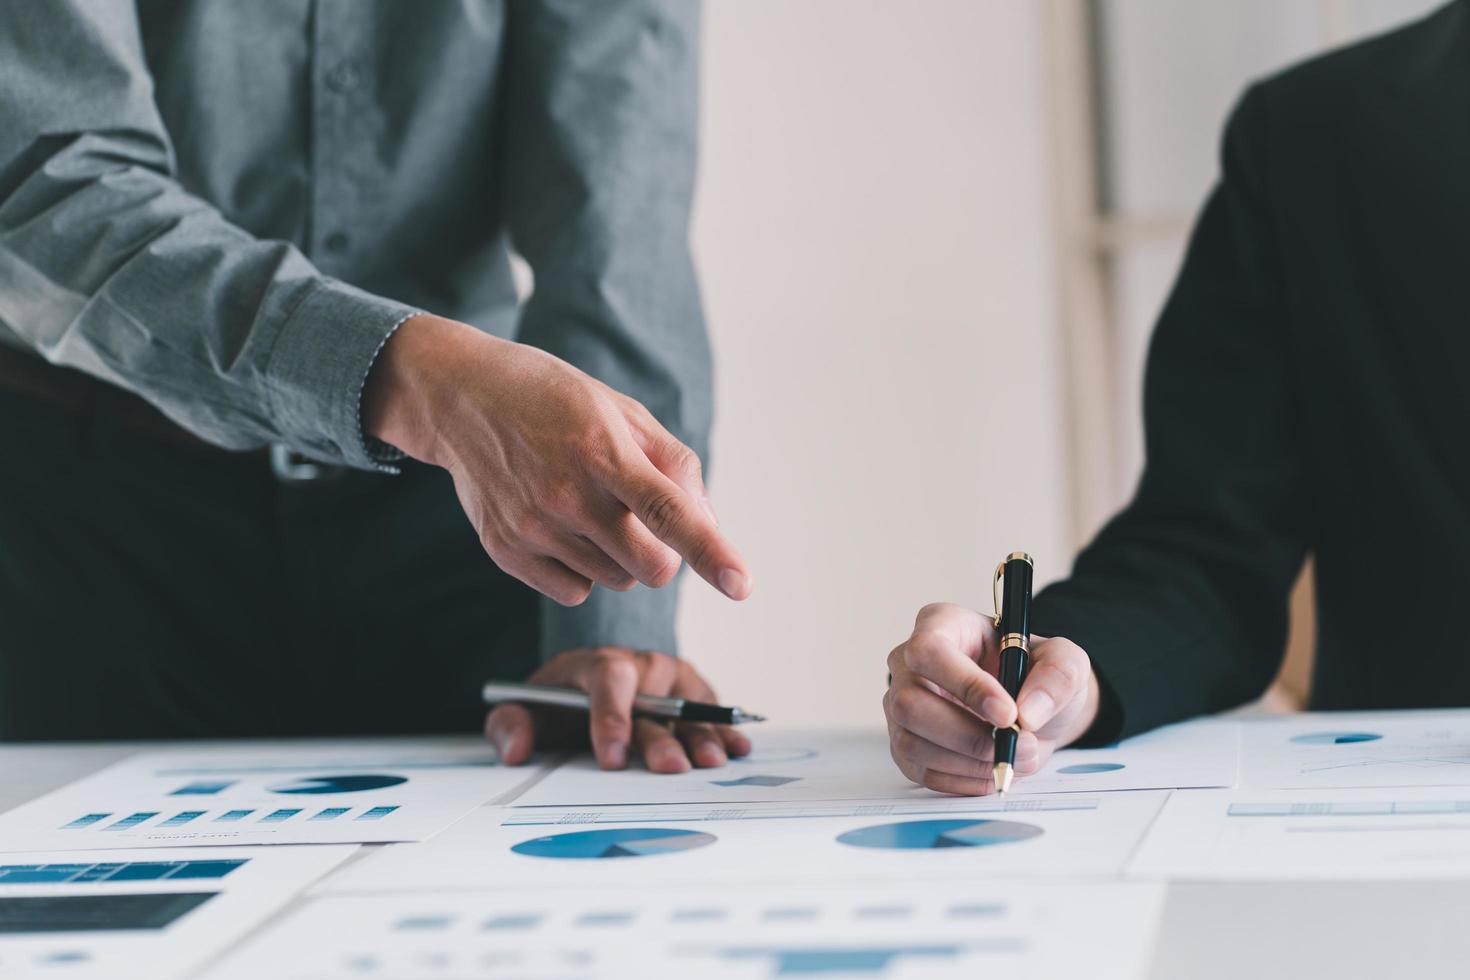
<point x="675" y="519"/>
<point x="674" y="459"/>
<point x="945" y="649"/>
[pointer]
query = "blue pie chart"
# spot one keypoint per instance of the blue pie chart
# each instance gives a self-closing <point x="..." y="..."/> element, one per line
<point x="927" y="834"/>
<point x="1335" y="738"/>
<point x="618" y="842"/>
<point x="312" y="785"/>
<point x="1087" y="768"/>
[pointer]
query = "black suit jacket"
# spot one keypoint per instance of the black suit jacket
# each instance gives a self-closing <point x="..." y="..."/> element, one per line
<point x="1308" y="389"/>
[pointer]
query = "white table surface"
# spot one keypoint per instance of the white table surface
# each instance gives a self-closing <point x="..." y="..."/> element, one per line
<point x="1227" y="930"/>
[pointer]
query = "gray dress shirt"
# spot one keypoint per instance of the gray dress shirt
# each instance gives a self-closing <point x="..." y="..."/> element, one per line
<point x="226" y="207"/>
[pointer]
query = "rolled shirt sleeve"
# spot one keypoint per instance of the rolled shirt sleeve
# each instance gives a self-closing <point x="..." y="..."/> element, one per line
<point x="601" y="128"/>
<point x="110" y="266"/>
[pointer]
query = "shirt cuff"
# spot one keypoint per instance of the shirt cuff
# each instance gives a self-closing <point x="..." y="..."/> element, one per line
<point x="319" y="367"/>
<point x="641" y="619"/>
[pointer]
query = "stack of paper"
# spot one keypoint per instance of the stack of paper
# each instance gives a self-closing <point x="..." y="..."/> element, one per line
<point x="317" y="795"/>
<point x="1339" y="795"/>
<point x="137" y="871"/>
<point x="812" y="855"/>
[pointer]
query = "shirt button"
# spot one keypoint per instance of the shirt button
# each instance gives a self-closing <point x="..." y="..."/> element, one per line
<point x="344" y="77"/>
<point x="337" y="241"/>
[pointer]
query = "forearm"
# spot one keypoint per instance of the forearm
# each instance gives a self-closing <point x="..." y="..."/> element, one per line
<point x="108" y="265"/>
<point x="238" y="340"/>
<point x="1181" y="601"/>
<point x="1162" y="655"/>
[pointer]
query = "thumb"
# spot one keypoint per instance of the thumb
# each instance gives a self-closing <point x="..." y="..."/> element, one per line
<point x="1058" y="676"/>
<point x="670" y="456"/>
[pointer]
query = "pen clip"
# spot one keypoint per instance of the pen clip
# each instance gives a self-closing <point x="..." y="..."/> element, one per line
<point x="1000" y="573"/>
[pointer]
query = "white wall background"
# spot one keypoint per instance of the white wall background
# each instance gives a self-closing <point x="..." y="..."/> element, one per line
<point x="873" y="235"/>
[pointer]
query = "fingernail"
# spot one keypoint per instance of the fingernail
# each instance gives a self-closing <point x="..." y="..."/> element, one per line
<point x="672" y="761"/>
<point x="1037" y="708"/>
<point x="616" y="755"/>
<point x="993" y="709"/>
<point x="734" y="583"/>
<point x="709" y="509"/>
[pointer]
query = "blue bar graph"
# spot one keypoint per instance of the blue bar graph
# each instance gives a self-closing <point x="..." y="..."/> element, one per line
<point x="276" y="816"/>
<point x="132" y="820"/>
<point x="39" y="874"/>
<point x="509" y="922"/>
<point x="597" y="919"/>
<point x="873" y="960"/>
<point x="885" y="912"/>
<point x="144" y="871"/>
<point x="179" y="819"/>
<point x="203" y="787"/>
<point x="232" y="816"/>
<point x="376" y="813"/>
<point x="59" y="874"/>
<point x="100" y="872"/>
<point x="978" y="911"/>
<point x="85" y="821"/>
<point x="204" y="869"/>
<point x="331" y="813"/>
<point x="420" y="923"/>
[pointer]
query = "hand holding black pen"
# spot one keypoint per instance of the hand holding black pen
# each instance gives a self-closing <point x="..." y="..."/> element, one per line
<point x="956" y="705"/>
<point x="1012" y="589"/>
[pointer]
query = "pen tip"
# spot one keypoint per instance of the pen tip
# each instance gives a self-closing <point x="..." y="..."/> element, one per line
<point x="1002" y="778"/>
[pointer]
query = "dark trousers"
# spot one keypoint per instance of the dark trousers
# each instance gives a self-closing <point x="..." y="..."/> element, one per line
<point x="149" y="589"/>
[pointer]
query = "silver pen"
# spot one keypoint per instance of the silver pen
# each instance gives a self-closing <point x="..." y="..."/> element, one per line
<point x="644" y="705"/>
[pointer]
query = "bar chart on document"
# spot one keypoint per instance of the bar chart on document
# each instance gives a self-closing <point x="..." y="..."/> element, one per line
<point x="975" y="929"/>
<point x="1402" y="748"/>
<point x="314" y="795"/>
<point x="1362" y="833"/>
<point x="792" y="766"/>
<point x="149" y="915"/>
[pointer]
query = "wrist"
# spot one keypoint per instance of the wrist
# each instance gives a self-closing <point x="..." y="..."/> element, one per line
<point x="399" y="401"/>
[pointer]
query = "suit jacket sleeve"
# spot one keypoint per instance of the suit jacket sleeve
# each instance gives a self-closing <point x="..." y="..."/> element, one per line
<point x="601" y="126"/>
<point x="1181" y="601"/>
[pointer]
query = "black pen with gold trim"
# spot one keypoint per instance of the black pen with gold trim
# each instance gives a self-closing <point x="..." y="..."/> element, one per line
<point x="1011" y="590"/>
